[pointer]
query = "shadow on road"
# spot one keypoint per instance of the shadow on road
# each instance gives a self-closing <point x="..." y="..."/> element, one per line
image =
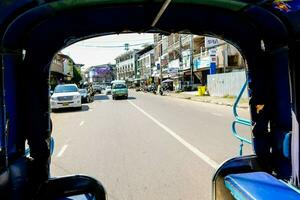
<point x="129" y="98"/>
<point x="101" y="97"/>
<point x="65" y="110"/>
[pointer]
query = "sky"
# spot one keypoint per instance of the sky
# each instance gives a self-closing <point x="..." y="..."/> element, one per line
<point x="104" y="49"/>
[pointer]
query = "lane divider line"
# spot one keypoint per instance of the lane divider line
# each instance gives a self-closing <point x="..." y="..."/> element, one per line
<point x="81" y="123"/>
<point x="193" y="149"/>
<point x="60" y="153"/>
<point x="217" y="114"/>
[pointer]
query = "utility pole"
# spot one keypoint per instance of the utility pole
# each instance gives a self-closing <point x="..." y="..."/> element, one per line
<point x="160" y="74"/>
<point x="180" y="62"/>
<point x="191" y="58"/>
<point x="160" y="65"/>
<point x="225" y="57"/>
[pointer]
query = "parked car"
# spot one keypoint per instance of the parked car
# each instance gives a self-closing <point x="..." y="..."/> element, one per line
<point x="119" y="90"/>
<point x="108" y="90"/>
<point x="65" y="96"/>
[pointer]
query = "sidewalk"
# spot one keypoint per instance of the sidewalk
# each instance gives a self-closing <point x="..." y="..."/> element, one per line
<point x="244" y="103"/>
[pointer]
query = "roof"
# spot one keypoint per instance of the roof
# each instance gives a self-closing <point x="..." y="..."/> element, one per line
<point x="289" y="9"/>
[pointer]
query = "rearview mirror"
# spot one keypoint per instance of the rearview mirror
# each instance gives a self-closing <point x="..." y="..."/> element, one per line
<point x="72" y="187"/>
<point x="51" y="92"/>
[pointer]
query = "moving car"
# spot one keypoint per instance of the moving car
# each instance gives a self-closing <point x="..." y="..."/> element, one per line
<point x="97" y="87"/>
<point x="65" y="96"/>
<point x="108" y="90"/>
<point x="119" y="89"/>
<point x="85" y="96"/>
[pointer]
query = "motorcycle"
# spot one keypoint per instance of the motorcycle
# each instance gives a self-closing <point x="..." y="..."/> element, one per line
<point x="152" y="89"/>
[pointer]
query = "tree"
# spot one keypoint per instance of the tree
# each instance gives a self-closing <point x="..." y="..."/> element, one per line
<point x="76" y="76"/>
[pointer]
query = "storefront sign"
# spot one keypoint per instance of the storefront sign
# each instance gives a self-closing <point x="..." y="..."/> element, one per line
<point x="164" y="62"/>
<point x="186" y="60"/>
<point x="213" y="59"/>
<point x="174" y="64"/>
<point x="203" y="62"/>
<point x="213" y="68"/>
<point x="173" y="71"/>
<point x="211" y="42"/>
<point x="212" y="52"/>
<point x="158" y="66"/>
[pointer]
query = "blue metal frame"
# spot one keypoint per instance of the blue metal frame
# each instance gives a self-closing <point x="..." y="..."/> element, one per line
<point x="240" y="120"/>
<point x="27" y="151"/>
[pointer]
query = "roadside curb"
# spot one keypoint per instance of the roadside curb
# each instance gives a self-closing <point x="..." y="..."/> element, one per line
<point x="211" y="101"/>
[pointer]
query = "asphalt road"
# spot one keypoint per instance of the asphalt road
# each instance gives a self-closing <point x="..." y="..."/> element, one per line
<point x="146" y="147"/>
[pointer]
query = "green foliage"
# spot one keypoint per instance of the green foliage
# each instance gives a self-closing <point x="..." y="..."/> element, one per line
<point x="76" y="76"/>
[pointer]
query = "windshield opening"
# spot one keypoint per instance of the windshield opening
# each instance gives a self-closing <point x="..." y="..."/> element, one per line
<point x="169" y="98"/>
<point x="65" y="88"/>
<point x="118" y="86"/>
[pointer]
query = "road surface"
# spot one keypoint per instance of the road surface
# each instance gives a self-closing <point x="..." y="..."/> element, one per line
<point x="146" y="147"/>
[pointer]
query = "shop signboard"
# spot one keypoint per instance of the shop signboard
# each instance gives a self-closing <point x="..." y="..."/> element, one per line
<point x="174" y="64"/>
<point x="164" y="62"/>
<point x="213" y="59"/>
<point x="210" y="42"/>
<point x="173" y="71"/>
<point x="158" y="66"/>
<point x="213" y="68"/>
<point x="186" y="61"/>
<point x="212" y="52"/>
<point x="102" y="71"/>
<point x="202" y="62"/>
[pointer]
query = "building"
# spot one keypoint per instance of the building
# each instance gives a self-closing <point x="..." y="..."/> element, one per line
<point x="216" y="56"/>
<point x="126" y="66"/>
<point x="145" y="65"/>
<point x="100" y="73"/>
<point x="61" y="69"/>
<point x="188" y="59"/>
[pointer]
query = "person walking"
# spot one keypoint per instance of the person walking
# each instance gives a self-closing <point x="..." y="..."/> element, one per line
<point x="159" y="89"/>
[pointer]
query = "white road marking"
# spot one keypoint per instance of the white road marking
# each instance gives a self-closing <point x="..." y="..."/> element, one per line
<point x="196" y="151"/>
<point x="81" y="123"/>
<point x="60" y="153"/>
<point x="217" y="114"/>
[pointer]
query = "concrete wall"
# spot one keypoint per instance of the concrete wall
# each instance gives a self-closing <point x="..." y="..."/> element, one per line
<point x="227" y="84"/>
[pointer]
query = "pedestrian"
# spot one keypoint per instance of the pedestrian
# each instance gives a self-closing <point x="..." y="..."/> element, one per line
<point x="159" y="89"/>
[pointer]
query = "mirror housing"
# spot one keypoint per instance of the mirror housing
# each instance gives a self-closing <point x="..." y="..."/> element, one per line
<point x="72" y="186"/>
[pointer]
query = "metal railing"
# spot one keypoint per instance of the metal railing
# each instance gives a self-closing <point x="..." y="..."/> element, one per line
<point x="240" y="120"/>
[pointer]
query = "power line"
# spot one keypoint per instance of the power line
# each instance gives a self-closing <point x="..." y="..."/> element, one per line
<point x="113" y="46"/>
<point x="116" y="40"/>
